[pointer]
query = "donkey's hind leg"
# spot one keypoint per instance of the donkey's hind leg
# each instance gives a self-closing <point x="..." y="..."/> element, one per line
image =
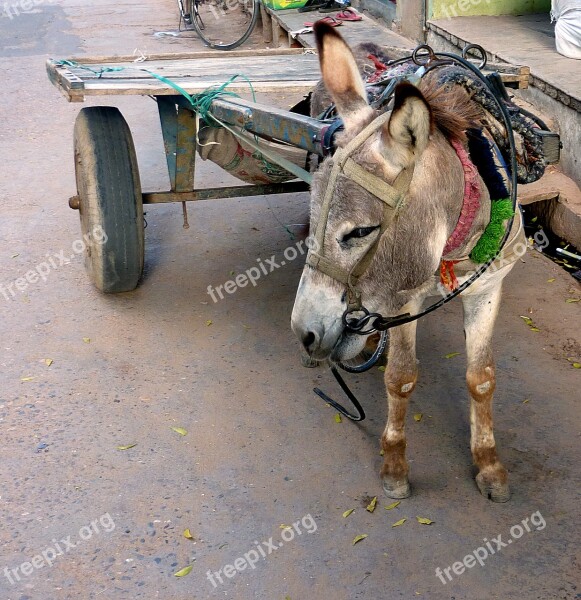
<point x="480" y="310"/>
<point x="400" y="380"/>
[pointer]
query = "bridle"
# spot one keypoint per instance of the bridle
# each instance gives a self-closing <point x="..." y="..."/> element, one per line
<point x="392" y="196"/>
<point x="357" y="319"/>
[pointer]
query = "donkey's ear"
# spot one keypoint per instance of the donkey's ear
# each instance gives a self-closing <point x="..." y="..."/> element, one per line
<point x="340" y="73"/>
<point x="410" y="124"/>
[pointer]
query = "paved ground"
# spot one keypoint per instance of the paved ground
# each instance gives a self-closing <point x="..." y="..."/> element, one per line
<point x="261" y="449"/>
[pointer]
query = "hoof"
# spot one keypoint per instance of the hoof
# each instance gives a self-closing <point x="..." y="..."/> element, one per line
<point x="493" y="484"/>
<point x="396" y="488"/>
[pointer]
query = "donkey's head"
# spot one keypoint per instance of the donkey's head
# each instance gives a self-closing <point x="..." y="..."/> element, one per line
<point x="390" y="246"/>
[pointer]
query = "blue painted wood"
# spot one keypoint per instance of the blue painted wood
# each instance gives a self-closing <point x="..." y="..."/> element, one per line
<point x="168" y="115"/>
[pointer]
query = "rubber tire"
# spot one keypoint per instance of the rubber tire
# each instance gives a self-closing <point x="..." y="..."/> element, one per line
<point x="110" y="199"/>
<point x="239" y="42"/>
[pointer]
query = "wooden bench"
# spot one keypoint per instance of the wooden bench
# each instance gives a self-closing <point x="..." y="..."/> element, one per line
<point x="278" y="25"/>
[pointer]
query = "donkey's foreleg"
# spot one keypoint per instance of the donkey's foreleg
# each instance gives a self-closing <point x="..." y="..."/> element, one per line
<point x="400" y="381"/>
<point x="480" y="312"/>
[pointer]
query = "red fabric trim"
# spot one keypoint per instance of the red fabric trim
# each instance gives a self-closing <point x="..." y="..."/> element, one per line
<point x="447" y="275"/>
<point x="471" y="202"/>
<point x="379" y="68"/>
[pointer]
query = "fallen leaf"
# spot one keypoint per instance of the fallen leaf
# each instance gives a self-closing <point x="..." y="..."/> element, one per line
<point x="452" y="355"/>
<point x="381" y="452"/>
<point x="571" y="300"/>
<point x="48" y="361"/>
<point x="534" y="219"/>
<point x="348" y="512"/>
<point x="382" y="369"/>
<point x="400" y="522"/>
<point x="180" y="430"/>
<point x="338" y="418"/>
<point x="183" y="572"/>
<point x="418" y="417"/>
<point x="371" y="506"/>
<point x="26" y="378"/>
<point x="15" y="255"/>
<point x="188" y="534"/>
<point x="392" y="505"/>
<point x="525" y="401"/>
<point x="424" y="521"/>
<point x="358" y="538"/>
<point x="577" y="365"/>
<point x="530" y="323"/>
<point x="87" y="340"/>
<point x="232" y="272"/>
<point x="281" y="526"/>
<point x="551" y="280"/>
<point x="208" y="322"/>
<point x="126" y="447"/>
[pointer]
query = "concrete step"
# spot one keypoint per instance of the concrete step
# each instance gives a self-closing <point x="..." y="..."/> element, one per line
<point x="558" y="203"/>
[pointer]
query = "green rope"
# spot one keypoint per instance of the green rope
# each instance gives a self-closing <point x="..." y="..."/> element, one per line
<point x="489" y="243"/>
<point x="202" y="102"/>
<point x="99" y="73"/>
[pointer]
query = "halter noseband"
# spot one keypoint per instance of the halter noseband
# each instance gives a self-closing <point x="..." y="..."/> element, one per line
<point x="392" y="195"/>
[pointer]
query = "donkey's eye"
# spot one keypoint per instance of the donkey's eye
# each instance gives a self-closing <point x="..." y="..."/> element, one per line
<point x="359" y="232"/>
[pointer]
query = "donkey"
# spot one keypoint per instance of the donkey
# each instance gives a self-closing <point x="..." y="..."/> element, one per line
<point x="417" y="137"/>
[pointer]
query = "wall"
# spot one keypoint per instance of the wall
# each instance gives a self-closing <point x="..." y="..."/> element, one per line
<point x="441" y="9"/>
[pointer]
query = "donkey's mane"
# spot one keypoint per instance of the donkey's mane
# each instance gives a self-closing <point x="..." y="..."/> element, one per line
<point x="453" y="111"/>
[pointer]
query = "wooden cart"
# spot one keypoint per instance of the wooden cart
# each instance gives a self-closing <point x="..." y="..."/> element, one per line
<point x="109" y="195"/>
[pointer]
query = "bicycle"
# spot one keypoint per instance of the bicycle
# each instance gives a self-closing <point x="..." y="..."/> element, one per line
<point x="221" y="24"/>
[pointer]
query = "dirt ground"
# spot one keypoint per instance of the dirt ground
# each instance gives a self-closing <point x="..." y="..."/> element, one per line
<point x="261" y="450"/>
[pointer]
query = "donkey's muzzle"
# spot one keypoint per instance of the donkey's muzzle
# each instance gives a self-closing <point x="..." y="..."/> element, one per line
<point x="309" y="335"/>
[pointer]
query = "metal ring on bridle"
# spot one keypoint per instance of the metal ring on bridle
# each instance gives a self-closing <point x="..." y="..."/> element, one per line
<point x="479" y="51"/>
<point x="430" y="56"/>
<point x="355" y="324"/>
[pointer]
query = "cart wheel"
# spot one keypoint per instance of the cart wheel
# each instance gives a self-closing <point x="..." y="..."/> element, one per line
<point x="109" y="199"/>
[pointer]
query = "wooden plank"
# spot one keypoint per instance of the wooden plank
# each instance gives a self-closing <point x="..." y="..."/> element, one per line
<point x="285" y="68"/>
<point x="170" y="56"/>
<point x="296" y="71"/>
<point x="299" y="87"/>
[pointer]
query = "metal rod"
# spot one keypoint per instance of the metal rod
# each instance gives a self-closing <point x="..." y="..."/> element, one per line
<point x="567" y="253"/>
<point x="291" y="187"/>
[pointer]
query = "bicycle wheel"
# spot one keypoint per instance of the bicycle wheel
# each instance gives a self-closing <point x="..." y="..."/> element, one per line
<point x="224" y="24"/>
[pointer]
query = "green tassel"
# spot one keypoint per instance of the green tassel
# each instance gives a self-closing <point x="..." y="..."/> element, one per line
<point x="489" y="244"/>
